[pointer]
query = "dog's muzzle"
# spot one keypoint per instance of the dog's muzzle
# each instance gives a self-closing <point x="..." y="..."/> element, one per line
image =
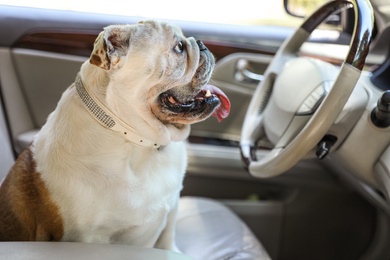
<point x="202" y="102"/>
<point x="208" y="100"/>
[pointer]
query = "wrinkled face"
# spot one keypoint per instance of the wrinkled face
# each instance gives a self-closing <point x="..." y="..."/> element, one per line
<point x="157" y="63"/>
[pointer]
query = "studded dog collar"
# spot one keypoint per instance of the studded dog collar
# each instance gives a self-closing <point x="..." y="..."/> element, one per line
<point x="107" y="119"/>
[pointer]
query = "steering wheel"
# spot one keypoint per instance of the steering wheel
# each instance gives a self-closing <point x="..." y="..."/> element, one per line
<point x="289" y="107"/>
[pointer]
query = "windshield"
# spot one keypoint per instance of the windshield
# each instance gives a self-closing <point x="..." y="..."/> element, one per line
<point x="244" y="12"/>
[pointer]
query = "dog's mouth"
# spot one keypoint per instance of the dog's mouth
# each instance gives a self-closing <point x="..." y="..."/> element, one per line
<point x="210" y="99"/>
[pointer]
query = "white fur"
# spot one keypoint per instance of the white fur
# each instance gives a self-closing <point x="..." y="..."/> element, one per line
<point x="110" y="190"/>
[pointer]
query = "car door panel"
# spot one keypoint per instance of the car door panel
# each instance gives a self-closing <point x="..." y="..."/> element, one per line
<point x="15" y="107"/>
<point x="6" y="155"/>
<point x="43" y="76"/>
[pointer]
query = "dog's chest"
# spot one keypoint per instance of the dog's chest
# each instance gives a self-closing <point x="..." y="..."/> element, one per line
<point x="130" y="205"/>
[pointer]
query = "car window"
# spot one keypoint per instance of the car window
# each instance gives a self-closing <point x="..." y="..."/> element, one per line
<point x="243" y="12"/>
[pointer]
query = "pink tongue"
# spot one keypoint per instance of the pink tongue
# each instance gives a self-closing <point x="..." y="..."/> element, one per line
<point x="224" y="109"/>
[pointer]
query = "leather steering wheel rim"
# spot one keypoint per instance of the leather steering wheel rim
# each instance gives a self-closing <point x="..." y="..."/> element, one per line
<point x="279" y="160"/>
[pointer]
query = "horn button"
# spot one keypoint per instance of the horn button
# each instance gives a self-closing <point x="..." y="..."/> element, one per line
<point x="298" y="91"/>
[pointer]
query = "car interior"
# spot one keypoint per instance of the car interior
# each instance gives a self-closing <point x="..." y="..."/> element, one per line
<point x="303" y="158"/>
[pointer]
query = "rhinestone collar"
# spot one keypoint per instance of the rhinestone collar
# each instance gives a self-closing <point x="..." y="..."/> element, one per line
<point x="107" y="119"/>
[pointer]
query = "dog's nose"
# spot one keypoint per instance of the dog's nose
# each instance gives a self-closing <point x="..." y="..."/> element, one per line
<point x="202" y="47"/>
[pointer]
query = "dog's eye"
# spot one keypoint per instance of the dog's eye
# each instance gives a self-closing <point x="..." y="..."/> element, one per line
<point x="179" y="48"/>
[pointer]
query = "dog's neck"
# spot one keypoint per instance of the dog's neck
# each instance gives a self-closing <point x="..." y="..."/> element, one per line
<point x="96" y="89"/>
<point x="109" y="120"/>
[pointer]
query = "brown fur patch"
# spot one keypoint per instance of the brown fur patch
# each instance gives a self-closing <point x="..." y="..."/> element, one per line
<point x="99" y="56"/>
<point x="27" y="212"/>
<point x="96" y="60"/>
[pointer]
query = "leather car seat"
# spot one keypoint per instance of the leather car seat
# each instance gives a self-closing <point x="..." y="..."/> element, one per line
<point x="207" y="229"/>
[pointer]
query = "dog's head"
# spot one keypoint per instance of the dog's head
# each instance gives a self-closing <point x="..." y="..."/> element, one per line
<point x="161" y="72"/>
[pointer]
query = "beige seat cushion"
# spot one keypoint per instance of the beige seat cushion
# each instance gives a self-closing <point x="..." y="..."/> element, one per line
<point x="206" y="229"/>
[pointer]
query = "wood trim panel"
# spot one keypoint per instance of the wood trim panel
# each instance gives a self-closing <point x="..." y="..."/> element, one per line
<point x="74" y="43"/>
<point x="81" y="43"/>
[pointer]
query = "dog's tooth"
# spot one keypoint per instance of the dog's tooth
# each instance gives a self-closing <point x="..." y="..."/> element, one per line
<point x="208" y="93"/>
<point x="172" y="100"/>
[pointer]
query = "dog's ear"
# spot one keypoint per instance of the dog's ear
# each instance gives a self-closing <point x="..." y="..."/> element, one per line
<point x="110" y="45"/>
<point x="99" y="55"/>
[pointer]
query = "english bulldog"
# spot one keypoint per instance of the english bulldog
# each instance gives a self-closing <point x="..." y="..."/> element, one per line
<point x="108" y="165"/>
